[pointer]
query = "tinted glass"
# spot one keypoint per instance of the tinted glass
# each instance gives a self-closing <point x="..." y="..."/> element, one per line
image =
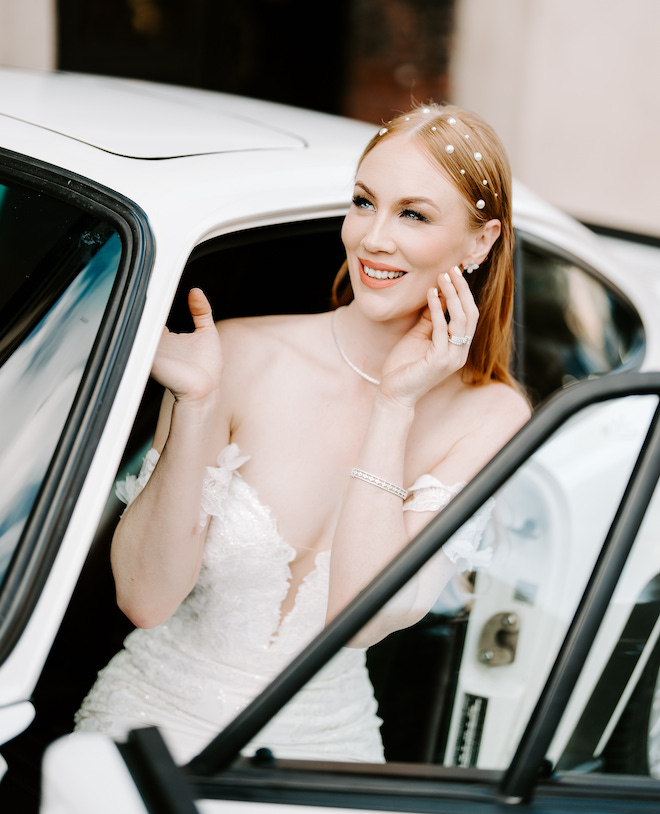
<point x="58" y="267"/>
<point x="574" y="324"/>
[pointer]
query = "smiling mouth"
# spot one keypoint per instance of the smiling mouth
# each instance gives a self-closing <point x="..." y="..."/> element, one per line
<point x="377" y="274"/>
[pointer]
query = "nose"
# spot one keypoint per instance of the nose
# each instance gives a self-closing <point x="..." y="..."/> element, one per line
<point x="378" y="236"/>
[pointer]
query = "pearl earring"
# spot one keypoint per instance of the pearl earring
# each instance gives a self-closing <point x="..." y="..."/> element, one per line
<point x="471" y="267"/>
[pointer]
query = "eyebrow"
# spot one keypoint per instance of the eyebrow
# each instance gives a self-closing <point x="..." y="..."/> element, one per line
<point x="412" y="201"/>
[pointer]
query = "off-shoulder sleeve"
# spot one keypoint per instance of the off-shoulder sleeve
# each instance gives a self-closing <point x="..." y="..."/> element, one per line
<point x="428" y="494"/>
<point x="214" y="486"/>
<point x="217" y="479"/>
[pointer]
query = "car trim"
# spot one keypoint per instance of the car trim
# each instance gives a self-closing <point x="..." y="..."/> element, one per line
<point x="53" y="507"/>
<point x="411" y="787"/>
<point x="623" y="234"/>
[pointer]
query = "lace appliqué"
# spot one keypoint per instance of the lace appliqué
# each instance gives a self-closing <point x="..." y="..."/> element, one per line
<point x="214" y="486"/>
<point x="191" y="675"/>
<point x="428" y="494"/>
<point x="216" y="481"/>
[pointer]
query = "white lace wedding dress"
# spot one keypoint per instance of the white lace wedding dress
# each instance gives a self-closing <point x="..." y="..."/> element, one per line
<point x="191" y="675"/>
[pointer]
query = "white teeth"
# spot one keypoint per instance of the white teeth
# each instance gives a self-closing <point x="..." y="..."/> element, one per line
<point x="382" y="275"/>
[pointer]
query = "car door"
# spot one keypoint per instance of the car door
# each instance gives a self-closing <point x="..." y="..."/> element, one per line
<point x="541" y="772"/>
<point x="75" y="262"/>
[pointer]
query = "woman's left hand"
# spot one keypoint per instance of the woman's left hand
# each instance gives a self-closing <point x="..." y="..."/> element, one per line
<point x="424" y="357"/>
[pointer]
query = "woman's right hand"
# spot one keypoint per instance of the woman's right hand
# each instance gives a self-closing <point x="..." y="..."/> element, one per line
<point x="189" y="365"/>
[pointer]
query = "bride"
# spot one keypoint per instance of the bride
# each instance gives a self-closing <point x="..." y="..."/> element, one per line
<point x="295" y="456"/>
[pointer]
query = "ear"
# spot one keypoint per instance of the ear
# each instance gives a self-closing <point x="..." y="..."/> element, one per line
<point x="482" y="242"/>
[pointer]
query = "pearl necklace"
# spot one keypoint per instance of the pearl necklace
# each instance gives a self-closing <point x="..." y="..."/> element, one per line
<point x="345" y="357"/>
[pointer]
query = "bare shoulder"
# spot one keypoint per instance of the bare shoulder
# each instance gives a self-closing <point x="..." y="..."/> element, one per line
<point x="259" y="339"/>
<point x="496" y="412"/>
<point x="502" y="404"/>
<point x="465" y="430"/>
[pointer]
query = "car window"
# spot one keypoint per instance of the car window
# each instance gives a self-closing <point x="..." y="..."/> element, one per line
<point x="574" y="323"/>
<point x="459" y="688"/>
<point x="59" y="265"/>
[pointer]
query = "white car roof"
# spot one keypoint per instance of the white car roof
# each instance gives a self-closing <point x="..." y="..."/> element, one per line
<point x="140" y="119"/>
<point x="144" y="120"/>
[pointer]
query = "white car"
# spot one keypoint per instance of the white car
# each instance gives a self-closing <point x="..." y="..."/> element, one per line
<point x="116" y="197"/>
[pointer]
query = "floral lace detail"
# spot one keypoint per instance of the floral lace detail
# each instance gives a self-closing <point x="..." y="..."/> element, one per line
<point x="428" y="494"/>
<point x="214" y="486"/>
<point x="129" y="488"/>
<point x="191" y="675"/>
<point x="227" y="640"/>
<point x="217" y="479"/>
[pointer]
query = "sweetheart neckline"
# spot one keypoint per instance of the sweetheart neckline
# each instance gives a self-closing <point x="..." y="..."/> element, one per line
<point x="230" y="460"/>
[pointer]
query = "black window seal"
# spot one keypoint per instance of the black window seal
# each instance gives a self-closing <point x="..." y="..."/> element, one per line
<point x="385" y="787"/>
<point x="56" y="500"/>
<point x="642" y="238"/>
<point x="409" y="787"/>
<point x="523" y="772"/>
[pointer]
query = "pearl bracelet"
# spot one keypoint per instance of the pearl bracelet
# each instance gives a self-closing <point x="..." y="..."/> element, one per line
<point x="380" y="483"/>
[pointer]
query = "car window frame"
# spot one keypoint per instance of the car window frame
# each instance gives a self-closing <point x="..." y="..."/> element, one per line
<point x="218" y="769"/>
<point x="50" y="514"/>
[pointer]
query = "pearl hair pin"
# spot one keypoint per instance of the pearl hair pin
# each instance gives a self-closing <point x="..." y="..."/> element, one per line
<point x="450" y="149"/>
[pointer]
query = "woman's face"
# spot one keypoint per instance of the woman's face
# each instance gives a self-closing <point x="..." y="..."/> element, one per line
<point x="407" y="224"/>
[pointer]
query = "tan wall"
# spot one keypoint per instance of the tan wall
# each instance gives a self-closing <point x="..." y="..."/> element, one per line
<point x="28" y="33"/>
<point x="572" y="88"/>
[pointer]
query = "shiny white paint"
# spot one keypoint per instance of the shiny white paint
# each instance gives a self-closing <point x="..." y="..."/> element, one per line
<point x="74" y="763"/>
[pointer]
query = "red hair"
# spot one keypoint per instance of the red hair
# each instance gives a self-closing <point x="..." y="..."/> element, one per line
<point x="478" y="167"/>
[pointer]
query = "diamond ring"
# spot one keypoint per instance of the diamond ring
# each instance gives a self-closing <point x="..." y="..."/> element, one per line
<point x="460" y="340"/>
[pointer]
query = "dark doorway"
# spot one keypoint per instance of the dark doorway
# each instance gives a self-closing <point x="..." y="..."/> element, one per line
<point x="281" y="50"/>
<point x="361" y="58"/>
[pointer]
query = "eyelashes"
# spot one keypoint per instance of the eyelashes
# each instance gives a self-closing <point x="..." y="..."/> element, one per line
<point x="360" y="202"/>
<point x="413" y="214"/>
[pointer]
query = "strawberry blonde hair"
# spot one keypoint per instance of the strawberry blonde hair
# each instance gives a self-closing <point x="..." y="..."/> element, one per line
<point x="471" y="154"/>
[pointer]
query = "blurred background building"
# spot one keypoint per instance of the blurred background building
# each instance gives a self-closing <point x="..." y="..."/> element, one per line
<point x="570" y="85"/>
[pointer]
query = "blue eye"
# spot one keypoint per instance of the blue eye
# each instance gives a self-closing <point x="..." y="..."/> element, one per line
<point x="411" y="214"/>
<point x="361" y="202"/>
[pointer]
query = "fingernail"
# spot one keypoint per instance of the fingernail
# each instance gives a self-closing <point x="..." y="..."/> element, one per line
<point x="457" y="270"/>
<point x="447" y="278"/>
<point x="435" y="291"/>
